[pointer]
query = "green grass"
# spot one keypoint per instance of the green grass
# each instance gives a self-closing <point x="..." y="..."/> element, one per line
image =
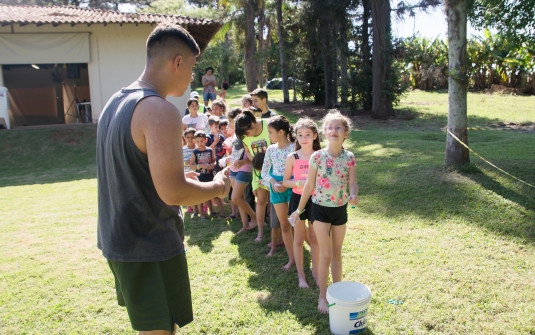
<point x="457" y="249"/>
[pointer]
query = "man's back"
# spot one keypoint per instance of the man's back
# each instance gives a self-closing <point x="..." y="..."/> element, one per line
<point x="134" y="224"/>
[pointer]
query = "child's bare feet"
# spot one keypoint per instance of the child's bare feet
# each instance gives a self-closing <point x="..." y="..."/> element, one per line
<point x="252" y="225"/>
<point x="303" y="283"/>
<point x="243" y="230"/>
<point x="270" y="253"/>
<point x="288" y="266"/>
<point x="323" y="306"/>
<point x="258" y="239"/>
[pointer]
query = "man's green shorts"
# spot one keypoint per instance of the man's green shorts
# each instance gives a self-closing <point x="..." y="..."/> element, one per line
<point x="156" y="294"/>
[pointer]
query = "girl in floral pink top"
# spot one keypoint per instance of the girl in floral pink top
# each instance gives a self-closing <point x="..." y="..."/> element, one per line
<point x="333" y="179"/>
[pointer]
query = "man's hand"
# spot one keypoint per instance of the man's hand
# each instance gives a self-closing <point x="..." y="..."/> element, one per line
<point x="224" y="176"/>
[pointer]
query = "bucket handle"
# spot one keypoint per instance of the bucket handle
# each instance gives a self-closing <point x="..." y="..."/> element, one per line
<point x="334" y="303"/>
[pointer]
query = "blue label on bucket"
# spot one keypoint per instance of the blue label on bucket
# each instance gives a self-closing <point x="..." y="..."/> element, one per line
<point x="358" y="315"/>
<point x="356" y="331"/>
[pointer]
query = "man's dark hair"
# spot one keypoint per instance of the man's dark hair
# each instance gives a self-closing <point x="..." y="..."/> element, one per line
<point x="260" y="93"/>
<point x="170" y="38"/>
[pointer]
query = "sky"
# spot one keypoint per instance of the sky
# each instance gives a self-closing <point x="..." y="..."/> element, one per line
<point x="428" y="25"/>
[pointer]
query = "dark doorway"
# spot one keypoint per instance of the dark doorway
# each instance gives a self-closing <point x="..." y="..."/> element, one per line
<point x="41" y="94"/>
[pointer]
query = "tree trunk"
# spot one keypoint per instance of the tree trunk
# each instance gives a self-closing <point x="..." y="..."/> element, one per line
<point x="382" y="105"/>
<point x="261" y="24"/>
<point x="366" y="53"/>
<point x="325" y="55"/>
<point x="280" y="36"/>
<point x="344" y="52"/>
<point x="334" y="57"/>
<point x="456" y="154"/>
<point x="250" y="46"/>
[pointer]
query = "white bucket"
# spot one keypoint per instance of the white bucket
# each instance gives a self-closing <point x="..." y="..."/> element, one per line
<point x="348" y="307"/>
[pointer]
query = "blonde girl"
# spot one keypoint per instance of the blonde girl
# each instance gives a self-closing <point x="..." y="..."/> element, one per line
<point x="332" y="176"/>
<point x="295" y="176"/>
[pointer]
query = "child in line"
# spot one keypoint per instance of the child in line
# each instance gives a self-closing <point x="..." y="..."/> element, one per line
<point x="227" y="133"/>
<point x="281" y="133"/>
<point x="203" y="162"/>
<point x="240" y="174"/>
<point x="223" y="93"/>
<point x="187" y="150"/>
<point x="215" y="141"/>
<point x="246" y="101"/>
<point x="333" y="176"/>
<point x="254" y="134"/>
<point x="194" y="119"/>
<point x="295" y="176"/>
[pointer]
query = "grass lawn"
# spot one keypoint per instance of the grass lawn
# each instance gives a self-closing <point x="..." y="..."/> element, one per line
<point x="457" y="249"/>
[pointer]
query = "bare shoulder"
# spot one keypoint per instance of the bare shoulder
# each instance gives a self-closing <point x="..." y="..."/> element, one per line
<point x="154" y="116"/>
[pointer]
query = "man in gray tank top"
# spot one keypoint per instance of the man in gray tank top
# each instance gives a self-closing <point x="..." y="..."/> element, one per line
<point x="142" y="184"/>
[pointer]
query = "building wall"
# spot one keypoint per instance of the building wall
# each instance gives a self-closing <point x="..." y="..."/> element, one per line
<point x="117" y="57"/>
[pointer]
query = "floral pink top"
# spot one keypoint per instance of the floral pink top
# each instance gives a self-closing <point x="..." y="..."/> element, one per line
<point x="332" y="177"/>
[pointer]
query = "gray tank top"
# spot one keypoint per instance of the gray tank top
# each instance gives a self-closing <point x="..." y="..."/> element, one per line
<point x="134" y="224"/>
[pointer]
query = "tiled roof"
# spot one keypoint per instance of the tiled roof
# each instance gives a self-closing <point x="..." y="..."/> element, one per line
<point x="70" y="15"/>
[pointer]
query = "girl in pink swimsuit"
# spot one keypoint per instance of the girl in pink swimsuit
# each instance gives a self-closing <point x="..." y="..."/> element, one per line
<point x="295" y="175"/>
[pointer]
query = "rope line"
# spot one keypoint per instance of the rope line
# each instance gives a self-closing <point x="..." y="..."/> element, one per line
<point x="486" y="161"/>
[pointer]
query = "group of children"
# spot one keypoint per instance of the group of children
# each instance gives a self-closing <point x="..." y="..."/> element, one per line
<point x="285" y="167"/>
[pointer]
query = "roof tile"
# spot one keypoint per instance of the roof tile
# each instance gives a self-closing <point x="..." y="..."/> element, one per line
<point x="72" y="15"/>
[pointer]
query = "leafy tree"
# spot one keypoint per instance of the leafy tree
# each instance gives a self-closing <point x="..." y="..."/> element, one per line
<point x="513" y="19"/>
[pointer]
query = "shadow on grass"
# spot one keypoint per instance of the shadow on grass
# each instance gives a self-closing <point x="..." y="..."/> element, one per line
<point x="402" y="175"/>
<point x="49" y="155"/>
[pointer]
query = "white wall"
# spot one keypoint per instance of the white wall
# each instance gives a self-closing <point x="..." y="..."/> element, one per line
<point x="117" y="57"/>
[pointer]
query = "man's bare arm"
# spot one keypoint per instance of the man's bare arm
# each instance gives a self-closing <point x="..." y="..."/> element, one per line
<point x="156" y="130"/>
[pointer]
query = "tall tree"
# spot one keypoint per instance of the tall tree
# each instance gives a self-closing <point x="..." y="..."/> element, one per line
<point x="282" y="52"/>
<point x="366" y="55"/>
<point x="382" y="102"/>
<point x="250" y="45"/>
<point x="457" y="13"/>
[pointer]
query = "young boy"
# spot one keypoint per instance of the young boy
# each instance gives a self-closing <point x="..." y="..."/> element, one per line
<point x="187" y="150"/>
<point x="215" y="139"/>
<point x="203" y="162"/>
<point x="223" y="125"/>
<point x="260" y="101"/>
<point x="227" y="149"/>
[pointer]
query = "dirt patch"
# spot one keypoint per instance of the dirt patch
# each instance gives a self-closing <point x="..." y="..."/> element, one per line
<point x="524" y="126"/>
<point x="71" y="136"/>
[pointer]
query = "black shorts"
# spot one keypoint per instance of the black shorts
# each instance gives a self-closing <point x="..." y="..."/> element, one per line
<point x="156" y="294"/>
<point x="337" y="216"/>
<point x="206" y="177"/>
<point x="294" y="204"/>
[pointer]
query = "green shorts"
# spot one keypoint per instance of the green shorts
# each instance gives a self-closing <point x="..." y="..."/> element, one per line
<point x="156" y="294"/>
